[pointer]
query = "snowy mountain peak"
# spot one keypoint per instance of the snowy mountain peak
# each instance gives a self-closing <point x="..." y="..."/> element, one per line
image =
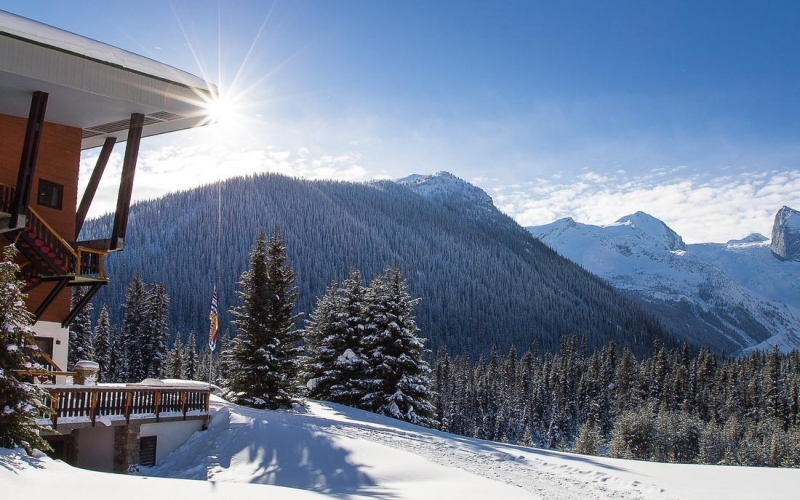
<point x="786" y="234"/>
<point x="749" y="240"/>
<point x="654" y="229"/>
<point x="446" y="187"/>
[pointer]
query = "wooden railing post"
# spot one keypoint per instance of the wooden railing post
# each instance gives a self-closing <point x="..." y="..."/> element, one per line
<point x="157" y="403"/>
<point x="128" y="402"/>
<point x="183" y="403"/>
<point x="93" y="407"/>
<point x="54" y="407"/>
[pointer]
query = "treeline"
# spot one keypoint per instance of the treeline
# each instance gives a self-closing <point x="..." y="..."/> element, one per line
<point x="674" y="406"/>
<point x="142" y="346"/>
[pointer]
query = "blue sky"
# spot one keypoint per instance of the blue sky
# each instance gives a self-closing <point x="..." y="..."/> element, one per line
<point x="685" y="109"/>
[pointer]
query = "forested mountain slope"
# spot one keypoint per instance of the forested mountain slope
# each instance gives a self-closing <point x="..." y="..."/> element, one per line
<point x="483" y="279"/>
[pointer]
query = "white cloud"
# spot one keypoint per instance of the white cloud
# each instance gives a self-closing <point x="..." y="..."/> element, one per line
<point x="167" y="169"/>
<point x="699" y="208"/>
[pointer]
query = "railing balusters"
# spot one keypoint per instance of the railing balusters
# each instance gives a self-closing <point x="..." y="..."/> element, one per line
<point x="91" y="402"/>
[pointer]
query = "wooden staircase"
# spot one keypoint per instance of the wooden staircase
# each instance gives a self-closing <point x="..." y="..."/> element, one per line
<point x="48" y="257"/>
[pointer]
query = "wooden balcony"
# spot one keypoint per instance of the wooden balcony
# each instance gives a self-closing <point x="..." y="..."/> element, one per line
<point x="83" y="405"/>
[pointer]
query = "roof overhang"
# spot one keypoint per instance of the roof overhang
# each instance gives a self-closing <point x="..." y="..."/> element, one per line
<point x="94" y="86"/>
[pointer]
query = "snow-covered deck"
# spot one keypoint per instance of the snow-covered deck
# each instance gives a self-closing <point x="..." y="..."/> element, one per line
<point x="84" y="405"/>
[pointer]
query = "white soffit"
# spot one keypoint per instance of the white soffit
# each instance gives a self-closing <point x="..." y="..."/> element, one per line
<point x="94" y="86"/>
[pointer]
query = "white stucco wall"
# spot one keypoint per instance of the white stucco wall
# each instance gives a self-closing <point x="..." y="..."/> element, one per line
<point x="96" y="448"/>
<point x="60" y="342"/>
<point x="170" y="435"/>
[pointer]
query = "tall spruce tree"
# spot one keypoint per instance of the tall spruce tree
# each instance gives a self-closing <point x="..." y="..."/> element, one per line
<point x="157" y="333"/>
<point x="190" y="357"/>
<point x="176" y="359"/>
<point x="398" y="378"/>
<point x="134" y="328"/>
<point x="337" y="364"/>
<point x="20" y="402"/>
<point x="324" y="342"/>
<point x="81" y="345"/>
<point x="103" y="345"/>
<point x="265" y="352"/>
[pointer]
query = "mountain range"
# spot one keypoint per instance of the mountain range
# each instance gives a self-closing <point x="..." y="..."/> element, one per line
<point x="483" y="279"/>
<point x="734" y="296"/>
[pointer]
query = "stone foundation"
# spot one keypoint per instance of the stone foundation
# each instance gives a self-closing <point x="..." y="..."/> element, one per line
<point x="126" y="446"/>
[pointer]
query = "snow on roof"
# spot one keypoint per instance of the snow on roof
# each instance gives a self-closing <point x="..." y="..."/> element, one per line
<point x="65" y="41"/>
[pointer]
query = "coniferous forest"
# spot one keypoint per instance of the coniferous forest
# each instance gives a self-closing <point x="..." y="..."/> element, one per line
<point x="588" y="383"/>
<point x="679" y="404"/>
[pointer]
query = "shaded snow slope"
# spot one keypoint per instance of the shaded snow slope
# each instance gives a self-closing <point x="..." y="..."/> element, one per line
<point x="729" y="296"/>
<point x="329" y="450"/>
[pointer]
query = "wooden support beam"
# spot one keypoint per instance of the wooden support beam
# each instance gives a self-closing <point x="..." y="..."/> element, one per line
<point x="94" y="181"/>
<point x="27" y="164"/>
<point x="82" y="303"/>
<point x="126" y="182"/>
<point x="60" y="284"/>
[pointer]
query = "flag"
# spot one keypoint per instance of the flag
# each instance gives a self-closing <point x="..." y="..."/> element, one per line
<point x="212" y="316"/>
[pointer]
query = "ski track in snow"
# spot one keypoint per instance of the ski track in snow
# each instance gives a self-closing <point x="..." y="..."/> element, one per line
<point x="508" y="465"/>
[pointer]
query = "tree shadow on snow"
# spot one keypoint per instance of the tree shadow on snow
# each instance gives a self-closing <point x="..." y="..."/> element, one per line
<point x="17" y="461"/>
<point x="296" y="457"/>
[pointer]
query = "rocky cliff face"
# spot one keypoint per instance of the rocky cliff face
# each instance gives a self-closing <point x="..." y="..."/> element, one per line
<point x="786" y="234"/>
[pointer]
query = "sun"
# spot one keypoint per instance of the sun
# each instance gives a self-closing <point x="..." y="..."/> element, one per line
<point x="221" y="111"/>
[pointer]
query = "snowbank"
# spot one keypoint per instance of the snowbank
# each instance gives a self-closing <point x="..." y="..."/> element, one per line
<point x="327" y="450"/>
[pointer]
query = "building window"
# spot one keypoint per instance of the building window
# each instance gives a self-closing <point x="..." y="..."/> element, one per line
<point x="50" y="194"/>
<point x="45" y="345"/>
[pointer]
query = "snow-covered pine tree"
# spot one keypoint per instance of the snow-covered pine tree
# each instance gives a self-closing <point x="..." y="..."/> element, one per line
<point x="265" y="353"/>
<point x="80" y="332"/>
<point x="20" y="402"/>
<point x="348" y="369"/>
<point x="176" y="363"/>
<point x="157" y="333"/>
<point x="190" y="357"/>
<point x="134" y="339"/>
<point x="398" y="376"/>
<point x="205" y="362"/>
<point x="117" y="370"/>
<point x="222" y="364"/>
<point x="324" y="337"/>
<point x="103" y="345"/>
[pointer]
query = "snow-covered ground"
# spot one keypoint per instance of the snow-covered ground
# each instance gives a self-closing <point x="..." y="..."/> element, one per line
<point x="328" y="450"/>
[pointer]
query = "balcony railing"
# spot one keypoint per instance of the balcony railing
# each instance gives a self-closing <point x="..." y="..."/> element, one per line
<point x="87" y="403"/>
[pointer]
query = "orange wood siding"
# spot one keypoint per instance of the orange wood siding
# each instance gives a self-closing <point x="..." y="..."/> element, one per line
<point x="59" y="162"/>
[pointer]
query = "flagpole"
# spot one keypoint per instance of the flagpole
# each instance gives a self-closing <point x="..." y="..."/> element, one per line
<point x="213" y="314"/>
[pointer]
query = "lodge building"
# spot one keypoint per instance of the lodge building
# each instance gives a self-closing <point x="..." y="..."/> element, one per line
<point x="61" y="94"/>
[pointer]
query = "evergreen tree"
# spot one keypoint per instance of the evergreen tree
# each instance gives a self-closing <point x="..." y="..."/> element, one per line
<point x="222" y="367"/>
<point x="157" y="333"/>
<point x="398" y="378"/>
<point x="134" y="332"/>
<point x="80" y="332"/>
<point x="103" y="346"/>
<point x="21" y="403"/>
<point x="334" y="335"/>
<point x="324" y="342"/>
<point x="176" y="359"/>
<point x="265" y="353"/>
<point x="117" y="370"/>
<point x="190" y="357"/>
